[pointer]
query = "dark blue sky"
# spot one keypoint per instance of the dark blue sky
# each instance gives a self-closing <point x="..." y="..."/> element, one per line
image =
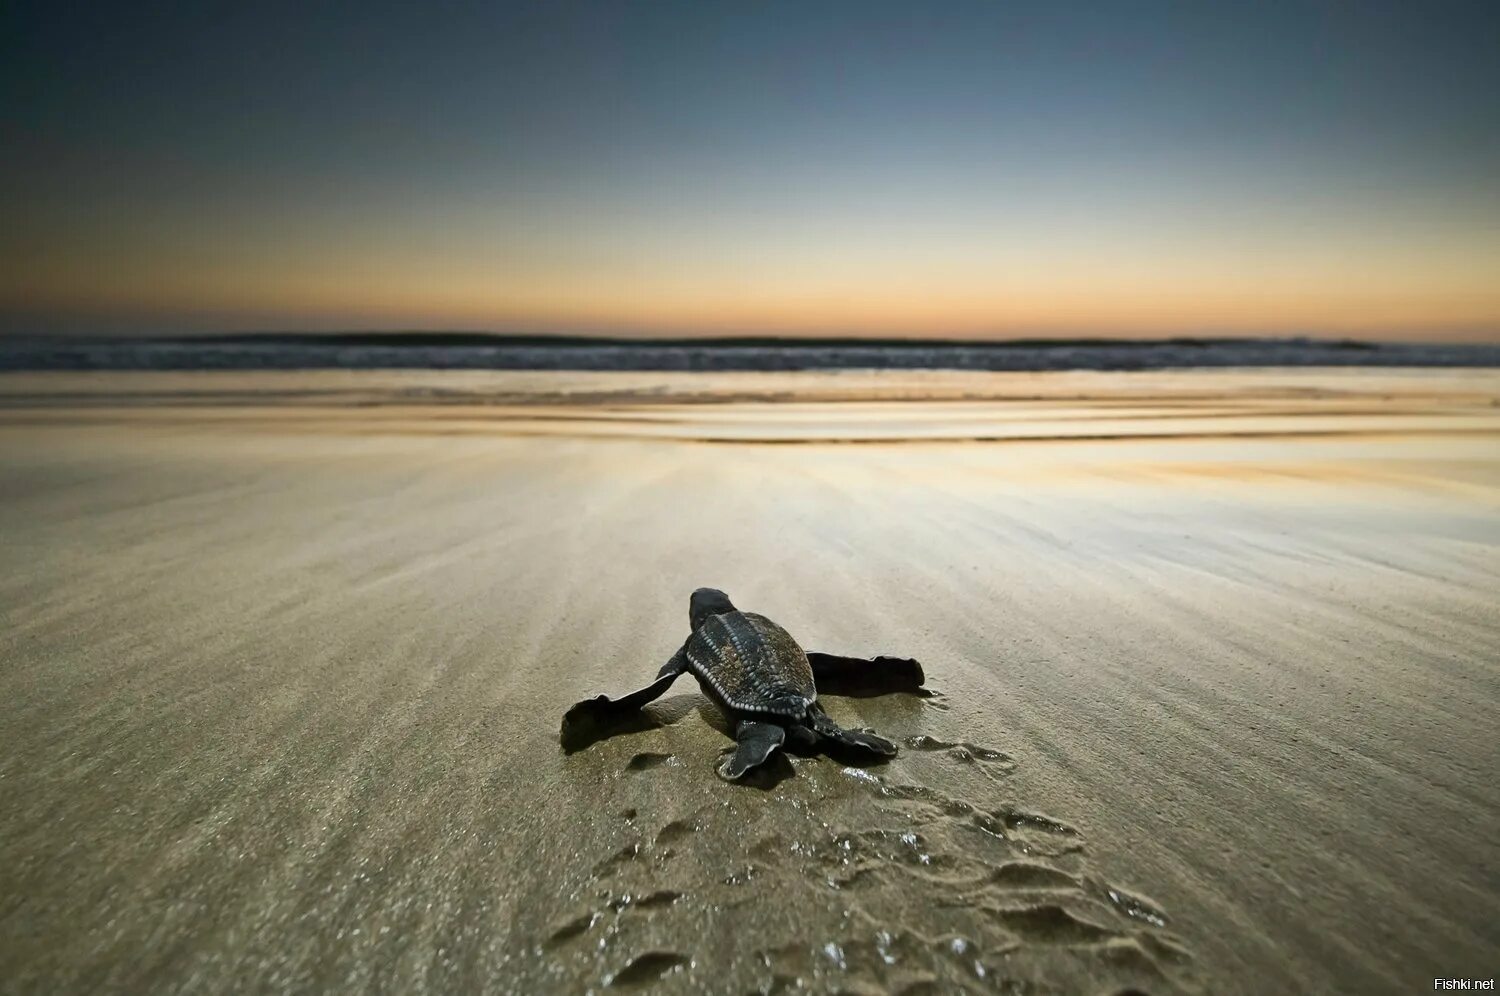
<point x="979" y="168"/>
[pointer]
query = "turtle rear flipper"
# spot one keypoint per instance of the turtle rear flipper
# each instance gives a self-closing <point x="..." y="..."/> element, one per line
<point x="583" y="723"/>
<point x="858" y="676"/>
<point x="857" y="739"/>
<point x="756" y="742"/>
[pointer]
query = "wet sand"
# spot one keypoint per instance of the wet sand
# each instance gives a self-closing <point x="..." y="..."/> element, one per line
<point x="1213" y="654"/>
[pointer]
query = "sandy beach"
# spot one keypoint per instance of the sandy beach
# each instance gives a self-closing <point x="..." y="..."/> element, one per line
<point x="1213" y="660"/>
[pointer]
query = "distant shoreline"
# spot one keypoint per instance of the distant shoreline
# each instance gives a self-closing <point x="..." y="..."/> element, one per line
<point x="486" y="351"/>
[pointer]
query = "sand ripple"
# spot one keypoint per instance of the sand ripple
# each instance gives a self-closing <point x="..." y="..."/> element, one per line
<point x="945" y="889"/>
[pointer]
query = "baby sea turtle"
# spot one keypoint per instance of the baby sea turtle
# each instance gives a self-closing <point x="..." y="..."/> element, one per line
<point x="765" y="683"/>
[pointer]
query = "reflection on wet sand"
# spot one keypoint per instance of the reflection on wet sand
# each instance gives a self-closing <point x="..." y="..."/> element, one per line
<point x="286" y="654"/>
<point x="908" y="406"/>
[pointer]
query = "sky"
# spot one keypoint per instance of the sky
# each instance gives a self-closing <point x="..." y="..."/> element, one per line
<point x="984" y="170"/>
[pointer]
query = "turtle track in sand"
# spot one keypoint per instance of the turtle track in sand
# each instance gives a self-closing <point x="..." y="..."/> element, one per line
<point x="857" y="880"/>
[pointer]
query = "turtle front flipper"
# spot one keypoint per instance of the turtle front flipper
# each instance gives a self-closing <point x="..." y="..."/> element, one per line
<point x="826" y="728"/>
<point x="586" y="720"/>
<point x="756" y="742"/>
<point x="856" y="676"/>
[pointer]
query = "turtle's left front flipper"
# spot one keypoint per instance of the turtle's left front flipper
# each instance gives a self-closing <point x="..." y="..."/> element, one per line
<point x="856" y="676"/>
<point x="868" y="743"/>
<point x="588" y="720"/>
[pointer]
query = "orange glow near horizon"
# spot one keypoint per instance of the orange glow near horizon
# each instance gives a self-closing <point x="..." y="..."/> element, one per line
<point x="1094" y="291"/>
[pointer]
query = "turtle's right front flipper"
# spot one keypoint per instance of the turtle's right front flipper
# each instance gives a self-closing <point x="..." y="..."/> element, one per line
<point x="590" y="719"/>
<point x="858" y="676"/>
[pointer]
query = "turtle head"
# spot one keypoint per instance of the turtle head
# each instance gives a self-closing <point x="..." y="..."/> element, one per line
<point x="707" y="602"/>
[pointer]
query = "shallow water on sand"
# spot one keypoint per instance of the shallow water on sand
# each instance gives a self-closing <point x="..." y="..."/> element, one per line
<point x="1213" y="662"/>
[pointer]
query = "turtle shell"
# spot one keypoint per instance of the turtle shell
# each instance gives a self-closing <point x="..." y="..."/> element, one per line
<point x="752" y="664"/>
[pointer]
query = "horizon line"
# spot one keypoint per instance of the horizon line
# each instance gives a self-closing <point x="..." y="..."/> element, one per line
<point x="463" y="337"/>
